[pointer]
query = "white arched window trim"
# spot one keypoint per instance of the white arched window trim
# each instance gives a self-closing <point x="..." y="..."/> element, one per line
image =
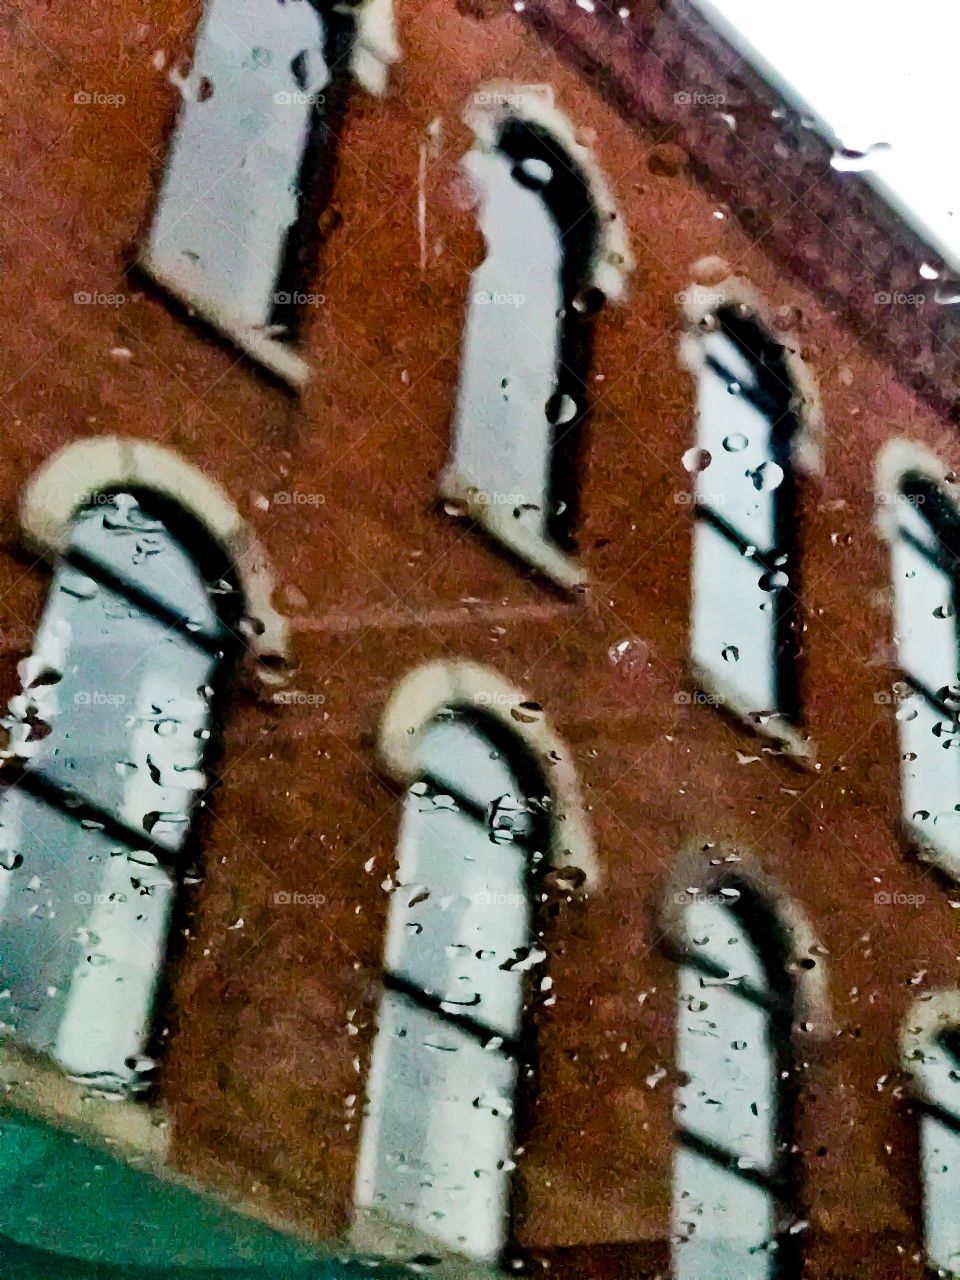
<point x="58" y="490"/>
<point x="703" y="861"/>
<point x="411" y="712"/>
<point x="898" y="460"/>
<point x="238" y="302"/>
<point x="699" y="304"/>
<point x="85" y="468"/>
<point x="939" y="1097"/>
<point x="426" y="691"/>
<point x="464" y="481"/>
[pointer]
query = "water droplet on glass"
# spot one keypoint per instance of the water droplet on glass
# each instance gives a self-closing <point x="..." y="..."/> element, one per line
<point x="766" y="477"/>
<point x="735" y="443"/>
<point x="696" y="460"/>
<point x="847" y="160"/>
<point x="537" y="172"/>
<point x="527" y="712"/>
<point x="566" y="410"/>
<point x="629" y="656"/>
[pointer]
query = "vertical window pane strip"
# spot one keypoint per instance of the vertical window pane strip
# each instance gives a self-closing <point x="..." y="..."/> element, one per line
<point x="734" y="621"/>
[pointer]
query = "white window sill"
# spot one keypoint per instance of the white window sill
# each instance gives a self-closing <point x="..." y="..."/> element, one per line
<point x="500" y="523"/>
<point x="278" y="358"/>
<point x="798" y="749"/>
<point x="132" y="1130"/>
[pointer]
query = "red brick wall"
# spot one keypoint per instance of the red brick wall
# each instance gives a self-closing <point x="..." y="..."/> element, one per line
<point x="261" y="1057"/>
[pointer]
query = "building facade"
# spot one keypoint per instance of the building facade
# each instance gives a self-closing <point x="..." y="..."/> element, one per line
<point x="495" y="841"/>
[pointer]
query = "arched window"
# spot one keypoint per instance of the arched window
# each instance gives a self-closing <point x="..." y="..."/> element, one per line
<point x="251" y="160"/>
<point x="451" y="1052"/>
<point x="745" y="590"/>
<point x="924" y="529"/>
<point x="555" y="247"/>
<point x="931" y="1050"/>
<point x="105" y="763"/>
<point x="733" y="1178"/>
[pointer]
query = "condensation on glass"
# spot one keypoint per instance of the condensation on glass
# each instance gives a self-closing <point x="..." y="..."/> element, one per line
<point x="437" y="1143"/>
<point x="521" y="395"/>
<point x="110" y="733"/>
<point x="731" y="1173"/>
<point x="925" y="568"/>
<point x="744" y="589"/>
<point x="933" y="1058"/>
<point x="231" y="193"/>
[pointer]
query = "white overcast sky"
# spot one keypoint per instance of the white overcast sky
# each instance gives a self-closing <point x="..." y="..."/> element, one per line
<point x="870" y="71"/>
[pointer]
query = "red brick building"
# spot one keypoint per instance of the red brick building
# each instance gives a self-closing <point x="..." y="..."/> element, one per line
<point x="388" y="570"/>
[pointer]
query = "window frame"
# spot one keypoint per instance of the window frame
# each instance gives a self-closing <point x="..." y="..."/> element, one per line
<point x="903" y="463"/>
<point x="484" y="698"/>
<point x="781" y="1184"/>
<point x="361" y="42"/>
<point x="199" y="516"/>
<point x="798" y="986"/>
<point x="520" y="122"/>
<point x="787" y="388"/>
<point x="927" y="1021"/>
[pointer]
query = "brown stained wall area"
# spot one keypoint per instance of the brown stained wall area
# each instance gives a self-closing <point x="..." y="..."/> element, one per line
<point x="270" y="1023"/>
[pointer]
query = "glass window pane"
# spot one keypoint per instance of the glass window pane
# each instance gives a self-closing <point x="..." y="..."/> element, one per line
<point x="733" y="622"/>
<point x="460" y="914"/>
<point x="230" y="190"/>
<point x="741" y="481"/>
<point x="511" y="345"/>
<point x="720" y="347"/>
<point x="723" y="1226"/>
<point x="125" y="724"/>
<point x="713" y="933"/>
<point x="438" y="1137"/>
<point x="139" y="550"/>
<point x="940" y="1161"/>
<point x="83" y="924"/>
<point x="925" y="624"/>
<point x="723" y="1048"/>
<point x="456" y="753"/>
<point x="930" y="777"/>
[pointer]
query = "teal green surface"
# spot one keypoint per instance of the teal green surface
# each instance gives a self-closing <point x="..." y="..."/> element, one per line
<point x="70" y="1211"/>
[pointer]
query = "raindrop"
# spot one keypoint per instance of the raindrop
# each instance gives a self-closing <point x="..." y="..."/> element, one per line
<point x="766" y="477"/>
<point x="735" y="443"/>
<point x="850" y="161"/>
<point x="507" y="818"/>
<point x="79" y="587"/>
<point x="696" y="460"/>
<point x="667" y="159"/>
<point x="773" y="581"/>
<point x="947" y="294"/>
<point x="527" y="712"/>
<point x="537" y="172"/>
<point x="566" y="410"/>
<point x="630" y="656"/>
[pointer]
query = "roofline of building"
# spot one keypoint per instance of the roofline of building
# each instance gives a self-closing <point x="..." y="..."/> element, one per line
<point x="832" y="232"/>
